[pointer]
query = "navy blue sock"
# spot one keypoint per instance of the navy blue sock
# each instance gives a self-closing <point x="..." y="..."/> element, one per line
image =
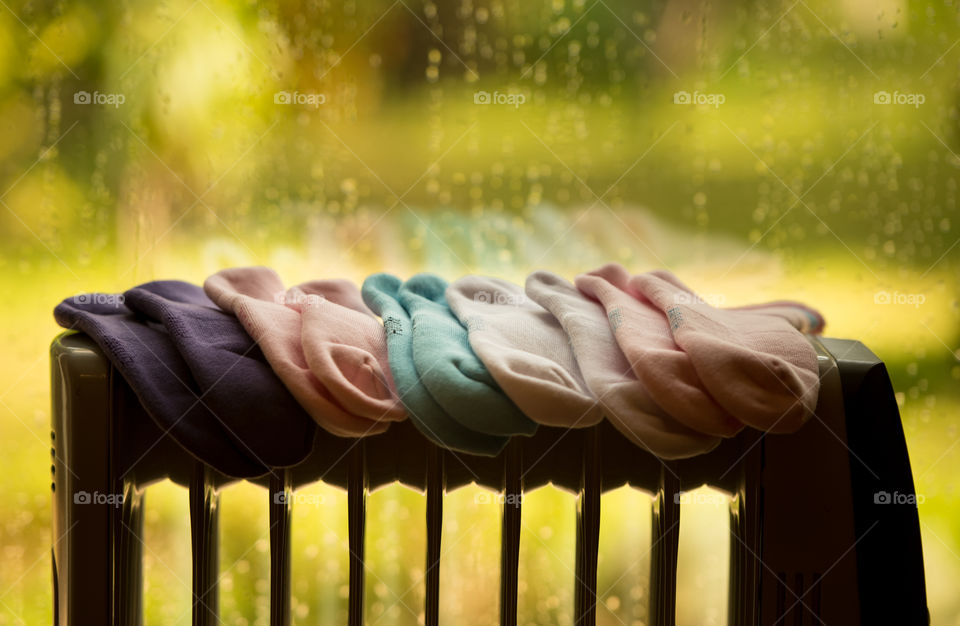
<point x="147" y="359"/>
<point x="237" y="383"/>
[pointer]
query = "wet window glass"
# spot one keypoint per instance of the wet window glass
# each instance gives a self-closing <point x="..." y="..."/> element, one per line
<point x="761" y="150"/>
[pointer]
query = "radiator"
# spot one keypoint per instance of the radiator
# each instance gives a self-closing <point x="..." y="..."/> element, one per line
<point x="814" y="540"/>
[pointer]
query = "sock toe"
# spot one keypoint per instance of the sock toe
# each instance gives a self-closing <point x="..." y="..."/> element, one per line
<point x="355" y="378"/>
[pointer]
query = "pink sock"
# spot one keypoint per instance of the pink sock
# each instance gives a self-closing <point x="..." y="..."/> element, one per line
<point x="800" y="316"/>
<point x="338" y="291"/>
<point x="346" y="347"/>
<point x="753" y="361"/>
<point x="626" y="402"/>
<point x="642" y="332"/>
<point x="254" y="295"/>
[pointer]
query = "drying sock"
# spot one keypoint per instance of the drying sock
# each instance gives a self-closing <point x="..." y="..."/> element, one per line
<point x="346" y="348"/>
<point x="145" y="356"/>
<point x="608" y="374"/>
<point x="643" y="334"/>
<point x="231" y="371"/>
<point x="381" y="293"/>
<point x="338" y="291"/>
<point x="451" y="371"/>
<point x="800" y="316"/>
<point x="757" y="365"/>
<point x="525" y="349"/>
<point x="254" y="295"/>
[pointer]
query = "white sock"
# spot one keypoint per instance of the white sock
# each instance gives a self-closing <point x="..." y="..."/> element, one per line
<point x="526" y="351"/>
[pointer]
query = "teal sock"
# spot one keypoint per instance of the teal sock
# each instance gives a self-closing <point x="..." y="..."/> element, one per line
<point x="380" y="294"/>
<point x="451" y="371"/>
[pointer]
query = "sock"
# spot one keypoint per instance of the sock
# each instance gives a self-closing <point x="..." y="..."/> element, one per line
<point x="451" y="371"/>
<point x="800" y="316"/>
<point x="757" y="365"/>
<point x="608" y="374"/>
<point x="230" y="370"/>
<point x="346" y="348"/>
<point x="381" y="293"/>
<point x="643" y="334"/>
<point x="146" y="358"/>
<point x="254" y="294"/>
<point x="526" y="351"/>
<point x="338" y="291"/>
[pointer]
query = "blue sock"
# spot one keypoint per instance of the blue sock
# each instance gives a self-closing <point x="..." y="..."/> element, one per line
<point x="380" y="292"/>
<point x="449" y="368"/>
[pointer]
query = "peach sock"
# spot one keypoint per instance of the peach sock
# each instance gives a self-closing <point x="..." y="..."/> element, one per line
<point x="626" y="402"/>
<point x="254" y="295"/>
<point x="754" y="361"/>
<point x="642" y="332"/>
<point x="346" y="347"/>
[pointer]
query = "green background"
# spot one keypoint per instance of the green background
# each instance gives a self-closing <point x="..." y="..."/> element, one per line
<point x="799" y="185"/>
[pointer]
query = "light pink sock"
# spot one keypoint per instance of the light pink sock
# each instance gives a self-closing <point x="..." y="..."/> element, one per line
<point x="756" y="364"/>
<point x="642" y="332"/>
<point x="626" y="402"/>
<point x="346" y="347"/>
<point x="338" y="291"/>
<point x="254" y="295"/>
<point x="800" y="316"/>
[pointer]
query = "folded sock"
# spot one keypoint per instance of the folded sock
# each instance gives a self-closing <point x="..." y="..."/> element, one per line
<point x="446" y="363"/>
<point x="145" y="356"/>
<point x="799" y="315"/>
<point x="346" y="348"/>
<point x="338" y="291"/>
<point x="381" y="293"/>
<point x="526" y="351"/>
<point x="756" y="364"/>
<point x="626" y="403"/>
<point x="255" y="295"/>
<point x="643" y="334"/>
<point x="230" y="370"/>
